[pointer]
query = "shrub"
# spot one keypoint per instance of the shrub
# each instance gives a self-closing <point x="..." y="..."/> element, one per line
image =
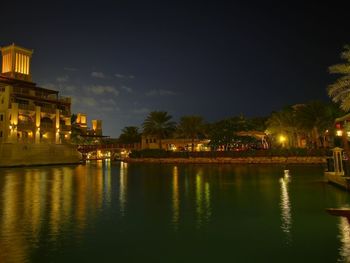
<point x="282" y="152"/>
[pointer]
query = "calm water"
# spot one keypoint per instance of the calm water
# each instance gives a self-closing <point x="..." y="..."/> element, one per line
<point x="118" y="212"/>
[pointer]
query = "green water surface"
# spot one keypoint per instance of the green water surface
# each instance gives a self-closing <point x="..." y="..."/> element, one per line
<point x="118" y="212"/>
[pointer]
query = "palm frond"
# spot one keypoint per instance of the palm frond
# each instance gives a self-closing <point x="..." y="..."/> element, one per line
<point x="340" y="69"/>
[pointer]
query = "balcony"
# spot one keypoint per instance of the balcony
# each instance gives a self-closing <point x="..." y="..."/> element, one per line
<point x="64" y="99"/>
<point x="27" y="107"/>
<point x="48" y="110"/>
<point x="37" y="96"/>
<point x="47" y="126"/>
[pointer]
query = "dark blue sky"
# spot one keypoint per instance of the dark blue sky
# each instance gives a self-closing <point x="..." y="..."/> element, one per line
<point x="120" y="60"/>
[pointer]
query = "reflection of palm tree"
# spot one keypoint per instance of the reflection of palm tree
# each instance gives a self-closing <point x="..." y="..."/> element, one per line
<point x="158" y="124"/>
<point x="191" y="127"/>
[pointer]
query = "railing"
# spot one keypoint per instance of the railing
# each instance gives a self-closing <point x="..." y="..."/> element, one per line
<point x="48" y="110"/>
<point x="47" y="126"/>
<point x="24" y="91"/>
<point x="95" y="147"/>
<point x="26" y="107"/>
<point x="38" y="95"/>
<point x="64" y="99"/>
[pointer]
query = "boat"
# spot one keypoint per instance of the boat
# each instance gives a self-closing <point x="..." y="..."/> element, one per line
<point x="345" y="212"/>
<point x="336" y="172"/>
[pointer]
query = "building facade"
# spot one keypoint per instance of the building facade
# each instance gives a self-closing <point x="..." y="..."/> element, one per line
<point x="84" y="130"/>
<point x="29" y="113"/>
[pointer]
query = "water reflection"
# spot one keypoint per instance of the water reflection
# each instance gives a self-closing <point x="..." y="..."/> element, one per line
<point x="175" y="198"/>
<point x="13" y="247"/>
<point x="81" y="182"/>
<point x="344" y="236"/>
<point x="50" y="201"/>
<point x="285" y="205"/>
<point x="107" y="181"/>
<point x="51" y="214"/>
<point x="203" y="209"/>
<point x="123" y="187"/>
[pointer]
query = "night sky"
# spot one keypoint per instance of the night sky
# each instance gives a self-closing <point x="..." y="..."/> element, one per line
<point x="120" y="60"/>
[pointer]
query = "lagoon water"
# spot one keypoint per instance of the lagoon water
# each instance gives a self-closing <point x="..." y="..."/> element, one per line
<point x="118" y="212"/>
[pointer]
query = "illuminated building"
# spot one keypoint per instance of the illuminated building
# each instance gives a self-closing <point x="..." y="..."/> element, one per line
<point x="29" y="113"/>
<point x="81" y="124"/>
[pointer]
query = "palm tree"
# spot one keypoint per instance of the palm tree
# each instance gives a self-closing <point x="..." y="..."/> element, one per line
<point x="315" y="118"/>
<point x="191" y="127"/>
<point x="339" y="91"/>
<point x="223" y="133"/>
<point x="130" y="135"/>
<point x="284" y="123"/>
<point x="158" y="124"/>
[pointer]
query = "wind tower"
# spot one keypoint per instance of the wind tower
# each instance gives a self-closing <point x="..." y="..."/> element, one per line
<point x="16" y="62"/>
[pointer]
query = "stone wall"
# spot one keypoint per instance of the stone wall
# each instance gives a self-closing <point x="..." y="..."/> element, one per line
<point x="246" y="160"/>
<point x="21" y="154"/>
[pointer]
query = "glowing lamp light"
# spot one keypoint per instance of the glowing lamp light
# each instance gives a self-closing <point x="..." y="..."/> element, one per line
<point x="339" y="133"/>
<point x="10" y="127"/>
<point x="282" y="139"/>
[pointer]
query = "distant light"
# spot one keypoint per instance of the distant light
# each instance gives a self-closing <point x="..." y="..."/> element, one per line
<point x="339" y="133"/>
<point x="282" y="138"/>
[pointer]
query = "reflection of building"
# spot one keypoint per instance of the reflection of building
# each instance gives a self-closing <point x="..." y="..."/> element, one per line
<point x="28" y="112"/>
<point x="151" y="142"/>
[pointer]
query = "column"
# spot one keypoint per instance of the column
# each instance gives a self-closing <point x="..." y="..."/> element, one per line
<point x="68" y="123"/>
<point x="37" y="123"/>
<point x="13" y="122"/>
<point x="57" y="126"/>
